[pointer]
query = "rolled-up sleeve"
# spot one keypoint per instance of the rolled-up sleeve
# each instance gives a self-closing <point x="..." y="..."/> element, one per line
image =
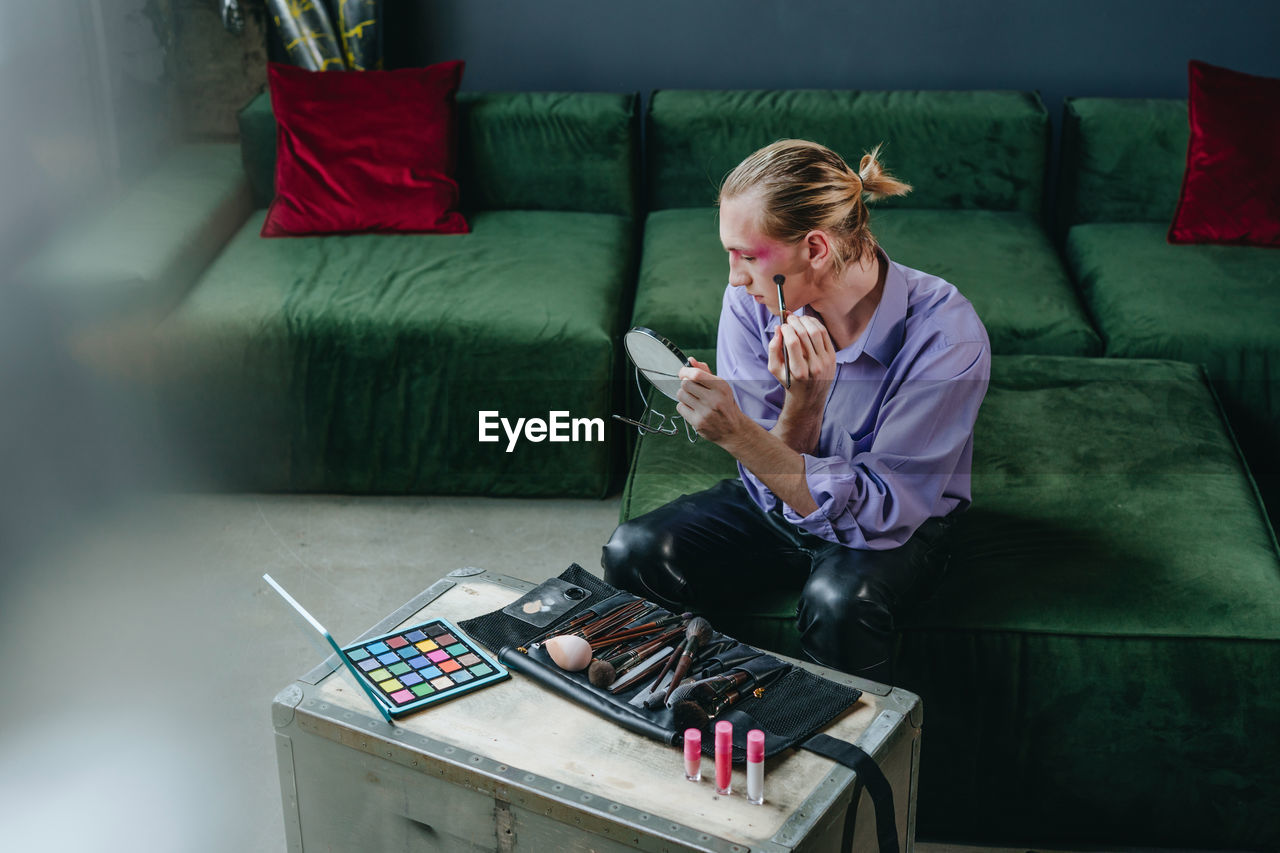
<point x="914" y="462"/>
<point x="920" y="455"/>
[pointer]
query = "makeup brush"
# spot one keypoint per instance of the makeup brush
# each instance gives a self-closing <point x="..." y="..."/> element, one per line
<point x="690" y="715"/>
<point x="602" y="673"/>
<point x="638" y="630"/>
<point x="641" y="671"/>
<point x="780" y="280"/>
<point x="697" y="634"/>
<point x="710" y="689"/>
<point x="623" y="615"/>
<point x="570" y="627"/>
<point x="692" y="691"/>
<point x="666" y="667"/>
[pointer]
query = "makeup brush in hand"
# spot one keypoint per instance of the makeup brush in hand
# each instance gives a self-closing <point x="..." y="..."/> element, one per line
<point x="780" y="280"/>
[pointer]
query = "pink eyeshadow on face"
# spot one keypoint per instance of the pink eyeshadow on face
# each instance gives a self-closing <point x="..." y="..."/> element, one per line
<point x="437" y="656"/>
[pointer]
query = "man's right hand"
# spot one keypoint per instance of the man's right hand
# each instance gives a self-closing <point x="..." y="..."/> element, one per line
<point x="813" y="369"/>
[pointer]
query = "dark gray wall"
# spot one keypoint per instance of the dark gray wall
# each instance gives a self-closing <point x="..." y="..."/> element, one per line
<point x="1087" y="47"/>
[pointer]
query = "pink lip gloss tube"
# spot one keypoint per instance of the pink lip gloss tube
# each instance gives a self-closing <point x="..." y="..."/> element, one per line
<point x="755" y="767"/>
<point x="693" y="755"/>
<point x="724" y="757"/>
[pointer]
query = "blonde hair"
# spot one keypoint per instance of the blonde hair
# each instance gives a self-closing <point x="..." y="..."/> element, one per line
<point x="806" y="186"/>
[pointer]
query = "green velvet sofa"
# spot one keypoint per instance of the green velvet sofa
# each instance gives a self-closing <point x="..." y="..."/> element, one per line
<point x="1219" y="306"/>
<point x="1098" y="665"/>
<point x="977" y="162"/>
<point x="362" y="363"/>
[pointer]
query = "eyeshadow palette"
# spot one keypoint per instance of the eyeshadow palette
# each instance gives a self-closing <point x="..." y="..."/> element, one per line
<point x="411" y="668"/>
<point x="418" y="666"/>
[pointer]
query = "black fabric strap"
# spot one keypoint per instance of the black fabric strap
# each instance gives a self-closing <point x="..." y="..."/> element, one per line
<point x="870" y="775"/>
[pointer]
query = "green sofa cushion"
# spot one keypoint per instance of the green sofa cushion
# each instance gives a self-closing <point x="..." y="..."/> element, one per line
<point x="142" y="250"/>
<point x="1100" y="658"/>
<point x="1122" y="159"/>
<point x="1001" y="261"/>
<point x="360" y="363"/>
<point x="516" y="151"/>
<point x="959" y="150"/>
<point x="1213" y="305"/>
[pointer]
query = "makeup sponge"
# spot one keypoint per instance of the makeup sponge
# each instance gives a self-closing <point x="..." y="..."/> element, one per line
<point x="570" y="652"/>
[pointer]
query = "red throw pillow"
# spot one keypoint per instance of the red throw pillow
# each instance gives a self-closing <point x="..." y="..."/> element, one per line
<point x="1231" y="189"/>
<point x="364" y="151"/>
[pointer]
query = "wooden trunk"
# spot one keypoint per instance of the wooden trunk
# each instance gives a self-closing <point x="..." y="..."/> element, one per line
<point x="516" y="767"/>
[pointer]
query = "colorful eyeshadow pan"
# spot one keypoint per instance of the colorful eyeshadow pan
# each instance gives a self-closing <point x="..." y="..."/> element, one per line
<point x="428" y="663"/>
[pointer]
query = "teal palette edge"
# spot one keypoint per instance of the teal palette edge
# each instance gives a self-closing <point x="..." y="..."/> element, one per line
<point x="390" y="710"/>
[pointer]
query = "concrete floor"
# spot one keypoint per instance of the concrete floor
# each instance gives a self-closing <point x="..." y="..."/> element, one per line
<point x="142" y="649"/>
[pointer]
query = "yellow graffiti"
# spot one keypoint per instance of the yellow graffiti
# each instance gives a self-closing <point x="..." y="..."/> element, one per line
<point x="358" y="30"/>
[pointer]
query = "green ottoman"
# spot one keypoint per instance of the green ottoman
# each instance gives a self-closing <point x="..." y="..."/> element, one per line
<point x="1099" y="664"/>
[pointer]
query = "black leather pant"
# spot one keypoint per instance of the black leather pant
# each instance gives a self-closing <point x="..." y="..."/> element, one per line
<point x="716" y="547"/>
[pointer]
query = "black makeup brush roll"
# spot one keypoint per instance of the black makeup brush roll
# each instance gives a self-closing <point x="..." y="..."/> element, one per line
<point x="791" y="708"/>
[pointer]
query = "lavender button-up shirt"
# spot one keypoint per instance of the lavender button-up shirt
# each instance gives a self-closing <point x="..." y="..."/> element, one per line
<point x="896" y="444"/>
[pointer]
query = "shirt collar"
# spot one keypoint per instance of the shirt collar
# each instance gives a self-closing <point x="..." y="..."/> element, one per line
<point x="882" y="339"/>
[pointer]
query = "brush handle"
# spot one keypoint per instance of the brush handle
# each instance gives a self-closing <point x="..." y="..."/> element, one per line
<point x="644" y="670"/>
<point x="682" y="668"/>
<point x="780" y="280"/>
<point x="624" y="614"/>
<point x="637" y="631"/>
<point x="675" y="654"/>
<point x="624" y="660"/>
<point x="729" y="680"/>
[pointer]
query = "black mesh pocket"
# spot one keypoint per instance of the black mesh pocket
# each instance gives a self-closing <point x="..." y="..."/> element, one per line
<point x="793" y="707"/>
<point x="801" y="702"/>
<point x="497" y="630"/>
